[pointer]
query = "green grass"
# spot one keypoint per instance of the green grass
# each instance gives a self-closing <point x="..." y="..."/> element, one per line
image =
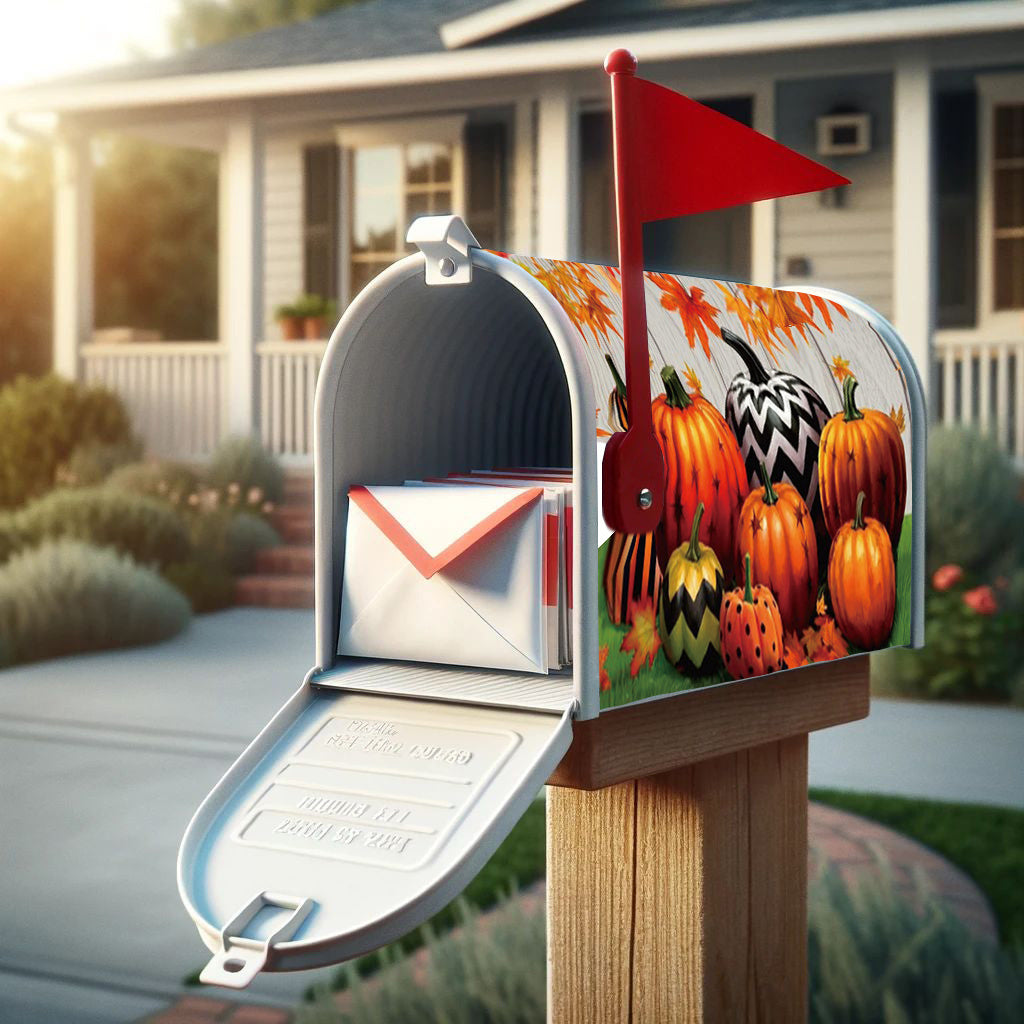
<point x="985" y="842"/>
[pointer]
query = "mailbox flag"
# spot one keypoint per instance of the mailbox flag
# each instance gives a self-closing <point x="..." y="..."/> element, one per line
<point x="691" y="159"/>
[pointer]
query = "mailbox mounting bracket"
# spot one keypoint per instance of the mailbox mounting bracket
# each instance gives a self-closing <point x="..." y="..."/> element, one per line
<point x="445" y="242"/>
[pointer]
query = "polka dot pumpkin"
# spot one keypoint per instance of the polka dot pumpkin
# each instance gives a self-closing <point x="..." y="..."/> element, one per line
<point x="751" y="630"/>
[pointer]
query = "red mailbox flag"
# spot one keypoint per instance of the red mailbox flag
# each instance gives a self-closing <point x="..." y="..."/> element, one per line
<point x="673" y="156"/>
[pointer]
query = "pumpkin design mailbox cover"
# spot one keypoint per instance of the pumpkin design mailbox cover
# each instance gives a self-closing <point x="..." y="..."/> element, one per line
<point x="784" y="421"/>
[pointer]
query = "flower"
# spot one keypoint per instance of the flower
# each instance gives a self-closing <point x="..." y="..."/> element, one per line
<point x="193" y="500"/>
<point x="255" y="495"/>
<point x="233" y="488"/>
<point x="947" y="576"/>
<point x="267" y="508"/>
<point x="981" y="600"/>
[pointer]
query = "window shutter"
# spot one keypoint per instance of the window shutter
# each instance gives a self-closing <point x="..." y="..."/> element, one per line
<point x="486" y="182"/>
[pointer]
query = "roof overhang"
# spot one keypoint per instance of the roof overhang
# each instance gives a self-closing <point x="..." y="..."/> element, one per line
<point x="538" y="56"/>
<point x="491" y="21"/>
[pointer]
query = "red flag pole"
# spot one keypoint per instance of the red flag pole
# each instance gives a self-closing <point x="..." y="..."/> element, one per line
<point x="633" y="481"/>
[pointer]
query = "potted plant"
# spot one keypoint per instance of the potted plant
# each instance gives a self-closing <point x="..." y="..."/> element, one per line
<point x="291" y="322"/>
<point x="311" y="308"/>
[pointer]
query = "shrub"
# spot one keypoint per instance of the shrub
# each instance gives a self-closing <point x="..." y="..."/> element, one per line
<point x="91" y="463"/>
<point x="171" y="481"/>
<point x="975" y="513"/>
<point x="243" y="461"/>
<point x="42" y="421"/>
<point x="145" y="528"/>
<point x="65" y="597"/>
<point x="244" y="535"/>
<point x="209" y="587"/>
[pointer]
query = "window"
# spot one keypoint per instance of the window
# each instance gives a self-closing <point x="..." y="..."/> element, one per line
<point x="1008" y="206"/>
<point x="321" y="190"/>
<point x="715" y="244"/>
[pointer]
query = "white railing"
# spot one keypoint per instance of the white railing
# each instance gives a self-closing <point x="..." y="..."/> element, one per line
<point x="981" y="383"/>
<point x="174" y="391"/>
<point x="287" y="382"/>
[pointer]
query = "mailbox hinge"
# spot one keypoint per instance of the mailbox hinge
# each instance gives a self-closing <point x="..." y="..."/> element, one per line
<point x="445" y="243"/>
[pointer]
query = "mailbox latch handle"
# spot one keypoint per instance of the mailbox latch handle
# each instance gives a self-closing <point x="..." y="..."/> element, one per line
<point x="239" y="959"/>
<point x="445" y="243"/>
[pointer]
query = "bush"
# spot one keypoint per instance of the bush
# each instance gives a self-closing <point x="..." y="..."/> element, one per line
<point x="244" y="535"/>
<point x="172" y="481"/>
<point x="65" y="597"/>
<point x="42" y="421"/>
<point x="208" y="587"/>
<point x="975" y="513"/>
<point x="91" y="463"/>
<point x="244" y="462"/>
<point x="148" y="530"/>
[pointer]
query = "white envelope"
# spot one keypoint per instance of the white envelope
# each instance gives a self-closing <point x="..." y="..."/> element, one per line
<point x="447" y="574"/>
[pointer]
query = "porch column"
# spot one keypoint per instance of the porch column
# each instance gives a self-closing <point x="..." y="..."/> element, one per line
<point x="763" y="228"/>
<point x="240" y="262"/>
<point x="557" y="174"/>
<point x="72" y="249"/>
<point x="913" y="208"/>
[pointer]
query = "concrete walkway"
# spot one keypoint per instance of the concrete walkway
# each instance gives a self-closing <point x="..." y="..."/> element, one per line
<point x="105" y="757"/>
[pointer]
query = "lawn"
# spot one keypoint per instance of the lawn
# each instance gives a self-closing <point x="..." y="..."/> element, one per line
<point x="985" y="842"/>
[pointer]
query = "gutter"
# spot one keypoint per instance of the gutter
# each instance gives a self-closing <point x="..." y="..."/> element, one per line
<point x="814" y="31"/>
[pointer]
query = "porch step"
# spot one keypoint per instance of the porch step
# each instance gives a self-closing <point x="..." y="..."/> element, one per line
<point x="285" y="560"/>
<point x="274" y="591"/>
<point x="298" y="488"/>
<point x="294" y="523"/>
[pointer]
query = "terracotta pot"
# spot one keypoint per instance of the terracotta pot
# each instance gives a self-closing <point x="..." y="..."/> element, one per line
<point x="313" y="328"/>
<point x="291" y="327"/>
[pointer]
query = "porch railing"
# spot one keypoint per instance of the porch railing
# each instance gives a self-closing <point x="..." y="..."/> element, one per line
<point x="174" y="391"/>
<point x="981" y="383"/>
<point x="287" y="383"/>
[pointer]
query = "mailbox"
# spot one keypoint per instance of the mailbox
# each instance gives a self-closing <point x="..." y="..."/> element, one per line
<point x="792" y="427"/>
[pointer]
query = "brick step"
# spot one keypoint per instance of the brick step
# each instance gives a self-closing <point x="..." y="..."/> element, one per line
<point x="285" y="560"/>
<point x="298" y="489"/>
<point x="272" y="591"/>
<point x="294" y="523"/>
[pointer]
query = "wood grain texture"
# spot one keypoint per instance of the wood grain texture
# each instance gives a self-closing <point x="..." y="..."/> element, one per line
<point x="707" y="911"/>
<point x="669" y="732"/>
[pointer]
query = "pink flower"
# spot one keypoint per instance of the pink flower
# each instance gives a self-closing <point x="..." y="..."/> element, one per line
<point x="947" y="576"/>
<point x="981" y="600"/>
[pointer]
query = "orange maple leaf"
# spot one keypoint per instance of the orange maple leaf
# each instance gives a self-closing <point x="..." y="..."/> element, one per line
<point x="697" y="315"/>
<point x="602" y="657"/>
<point x="816" y="302"/>
<point x="642" y="639"/>
<point x="841" y="368"/>
<point x="692" y="380"/>
<point x="820" y="607"/>
<point x="793" y="651"/>
<point x="832" y="640"/>
<point x="898" y="418"/>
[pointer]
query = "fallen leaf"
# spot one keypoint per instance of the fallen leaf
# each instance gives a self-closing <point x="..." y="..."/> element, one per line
<point x="692" y="380"/>
<point x="793" y="651"/>
<point x="898" y="418"/>
<point x="642" y="639"/>
<point x="602" y="657"/>
<point x="841" y="368"/>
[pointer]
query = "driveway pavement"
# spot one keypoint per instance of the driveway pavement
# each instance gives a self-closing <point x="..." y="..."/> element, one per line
<point x="105" y="757"/>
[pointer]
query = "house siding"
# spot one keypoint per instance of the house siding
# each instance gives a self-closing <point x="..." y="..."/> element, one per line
<point x="282" y="231"/>
<point x="863" y="264"/>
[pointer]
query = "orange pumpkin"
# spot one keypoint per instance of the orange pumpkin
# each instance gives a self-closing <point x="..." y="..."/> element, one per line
<point x="777" y="531"/>
<point x="751" y="630"/>
<point x="702" y="464"/>
<point x="861" y="450"/>
<point x="862" y="580"/>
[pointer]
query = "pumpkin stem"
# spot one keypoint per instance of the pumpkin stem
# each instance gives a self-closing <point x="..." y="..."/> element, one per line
<point x="620" y="385"/>
<point x="858" y="516"/>
<point x="693" y="551"/>
<point x="755" y="368"/>
<point x="675" y="394"/>
<point x="748" y="590"/>
<point x="770" y="497"/>
<point x="850" y="410"/>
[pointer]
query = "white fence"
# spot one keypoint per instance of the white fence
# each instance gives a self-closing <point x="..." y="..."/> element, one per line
<point x="174" y="391"/>
<point x="981" y="383"/>
<point x="287" y="382"/>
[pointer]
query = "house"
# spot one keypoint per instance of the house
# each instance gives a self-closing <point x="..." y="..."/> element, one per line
<point x="333" y="133"/>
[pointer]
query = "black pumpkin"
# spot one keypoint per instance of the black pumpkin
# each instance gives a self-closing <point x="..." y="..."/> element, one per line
<point x="777" y="419"/>
<point x="618" y="411"/>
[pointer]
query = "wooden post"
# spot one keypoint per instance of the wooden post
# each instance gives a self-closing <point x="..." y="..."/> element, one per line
<point x="681" y="895"/>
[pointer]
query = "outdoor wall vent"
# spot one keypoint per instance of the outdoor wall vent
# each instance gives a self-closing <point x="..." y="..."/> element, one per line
<point x="844" y="134"/>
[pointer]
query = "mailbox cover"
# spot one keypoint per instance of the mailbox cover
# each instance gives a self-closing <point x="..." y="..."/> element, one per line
<point x="775" y="411"/>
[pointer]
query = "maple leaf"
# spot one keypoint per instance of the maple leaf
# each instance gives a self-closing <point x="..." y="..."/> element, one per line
<point x="793" y="651"/>
<point x="832" y="639"/>
<point x="697" y="315"/>
<point x="692" y="380"/>
<point x="642" y="639"/>
<point x="816" y="302"/>
<point x="820" y="607"/>
<point x="602" y="657"/>
<point x="811" y="639"/>
<point x="841" y="368"/>
<point x="898" y="418"/>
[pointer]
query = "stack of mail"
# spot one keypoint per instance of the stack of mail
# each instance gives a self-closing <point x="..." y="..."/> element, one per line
<point x="473" y="569"/>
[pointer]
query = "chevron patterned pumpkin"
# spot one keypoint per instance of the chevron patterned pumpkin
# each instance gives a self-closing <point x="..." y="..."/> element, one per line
<point x="691" y="596"/>
<point x="777" y="419"/>
<point x="631" y="573"/>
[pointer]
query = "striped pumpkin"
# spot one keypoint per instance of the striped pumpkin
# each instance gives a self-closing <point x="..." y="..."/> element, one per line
<point x="618" y="411"/>
<point x="691" y="597"/>
<point x="631" y="573"/>
<point x="702" y="464"/>
<point x="861" y="450"/>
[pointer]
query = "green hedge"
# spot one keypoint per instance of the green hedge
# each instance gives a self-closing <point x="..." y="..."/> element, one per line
<point x="245" y="463"/>
<point x="92" y="463"/>
<point x="148" y="530"/>
<point x="170" y="481"/>
<point x="208" y="586"/>
<point x="42" y="421"/>
<point x="65" y="597"/>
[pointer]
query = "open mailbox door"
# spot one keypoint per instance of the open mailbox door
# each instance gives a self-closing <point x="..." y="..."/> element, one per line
<point x="353" y="818"/>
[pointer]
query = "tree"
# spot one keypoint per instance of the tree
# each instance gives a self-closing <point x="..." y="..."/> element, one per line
<point x="200" y="22"/>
